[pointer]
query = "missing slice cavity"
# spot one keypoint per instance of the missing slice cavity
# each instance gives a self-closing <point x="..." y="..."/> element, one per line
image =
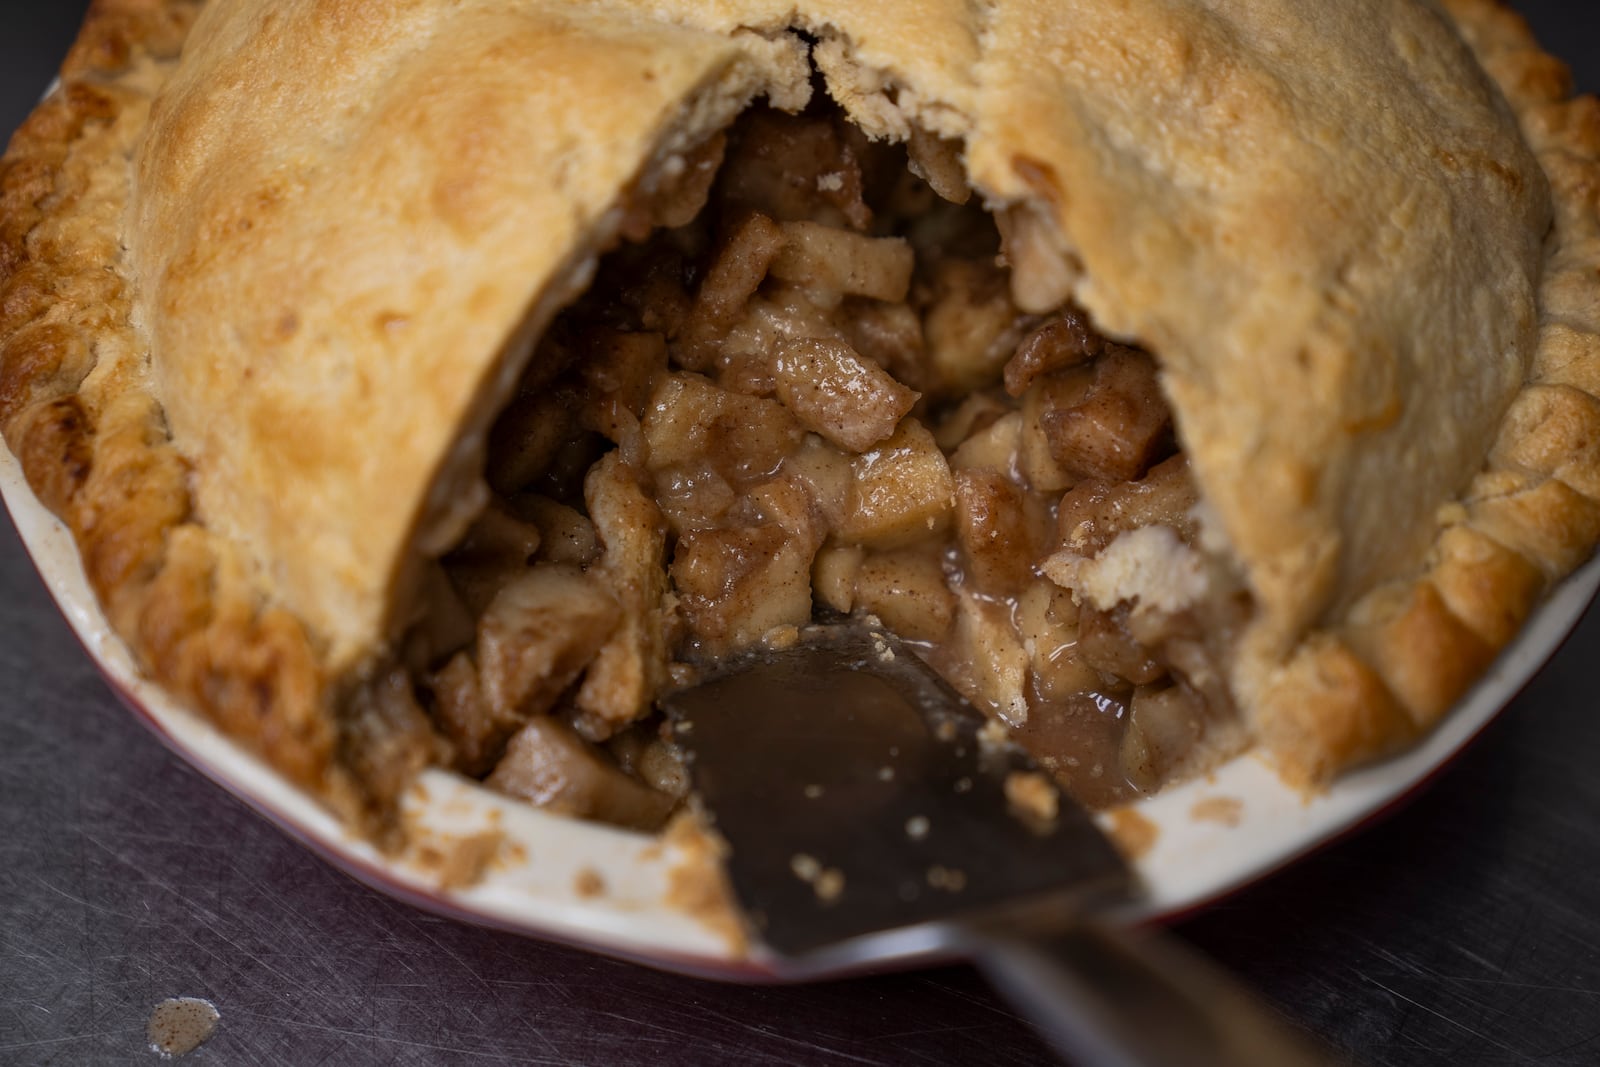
<point x="815" y="376"/>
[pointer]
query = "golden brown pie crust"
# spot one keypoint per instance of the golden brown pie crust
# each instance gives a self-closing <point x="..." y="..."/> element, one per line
<point x="92" y="443"/>
<point x="77" y="411"/>
<point x="1408" y="650"/>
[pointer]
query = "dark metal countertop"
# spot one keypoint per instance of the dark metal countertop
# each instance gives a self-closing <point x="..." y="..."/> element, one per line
<point x="1464" y="930"/>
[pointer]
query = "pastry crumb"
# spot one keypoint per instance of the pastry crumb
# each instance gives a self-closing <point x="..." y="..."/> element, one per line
<point x="455" y="862"/>
<point x="1033" y="797"/>
<point x="826" y="882"/>
<point x="994" y="737"/>
<point x="697" y="884"/>
<point x="589" y="883"/>
<point x="1226" y="811"/>
<point x="781" y="637"/>
<point x="1132" y="833"/>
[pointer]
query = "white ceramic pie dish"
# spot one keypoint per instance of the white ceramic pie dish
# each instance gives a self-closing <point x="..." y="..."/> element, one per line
<point x="612" y="890"/>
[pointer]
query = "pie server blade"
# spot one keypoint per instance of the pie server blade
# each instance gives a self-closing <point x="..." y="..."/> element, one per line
<point x="869" y="818"/>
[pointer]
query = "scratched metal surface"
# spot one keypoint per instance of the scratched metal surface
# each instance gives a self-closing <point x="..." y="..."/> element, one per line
<point x="1463" y="931"/>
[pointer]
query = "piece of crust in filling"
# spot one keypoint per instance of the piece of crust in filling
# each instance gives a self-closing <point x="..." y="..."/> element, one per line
<point x="94" y="447"/>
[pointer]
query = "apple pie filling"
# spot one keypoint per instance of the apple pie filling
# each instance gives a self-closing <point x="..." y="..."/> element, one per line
<point x="814" y="378"/>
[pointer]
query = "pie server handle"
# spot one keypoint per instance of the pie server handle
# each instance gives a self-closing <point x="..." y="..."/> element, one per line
<point x="1111" y="997"/>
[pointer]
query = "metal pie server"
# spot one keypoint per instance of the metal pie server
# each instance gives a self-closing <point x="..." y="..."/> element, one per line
<point x="868" y="820"/>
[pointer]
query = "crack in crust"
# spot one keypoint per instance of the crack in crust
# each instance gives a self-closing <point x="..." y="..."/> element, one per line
<point x="94" y="445"/>
<point x="95" y="449"/>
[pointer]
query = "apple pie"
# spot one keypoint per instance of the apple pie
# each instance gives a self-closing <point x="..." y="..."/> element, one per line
<point x="438" y="384"/>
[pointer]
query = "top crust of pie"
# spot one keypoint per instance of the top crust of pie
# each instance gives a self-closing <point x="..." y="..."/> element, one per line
<point x="1360" y="238"/>
<point x="340" y="273"/>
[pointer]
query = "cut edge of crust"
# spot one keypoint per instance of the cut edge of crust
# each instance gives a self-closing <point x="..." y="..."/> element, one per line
<point x="96" y="451"/>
